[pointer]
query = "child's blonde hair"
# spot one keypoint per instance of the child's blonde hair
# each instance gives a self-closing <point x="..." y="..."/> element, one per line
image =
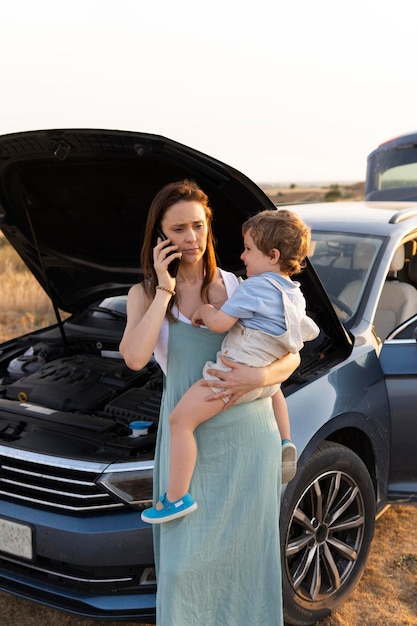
<point x="284" y="230"/>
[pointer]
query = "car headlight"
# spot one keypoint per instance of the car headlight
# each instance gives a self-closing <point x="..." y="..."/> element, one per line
<point x="130" y="483"/>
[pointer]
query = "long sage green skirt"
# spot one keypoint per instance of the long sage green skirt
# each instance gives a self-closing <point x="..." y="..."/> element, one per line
<point x="219" y="566"/>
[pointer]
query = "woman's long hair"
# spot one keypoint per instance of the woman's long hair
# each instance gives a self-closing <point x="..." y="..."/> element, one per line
<point x="171" y="194"/>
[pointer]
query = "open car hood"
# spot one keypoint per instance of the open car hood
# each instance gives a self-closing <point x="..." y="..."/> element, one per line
<point x="73" y="204"/>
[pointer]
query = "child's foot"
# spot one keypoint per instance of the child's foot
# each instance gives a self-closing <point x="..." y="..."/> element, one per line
<point x="289" y="461"/>
<point x="169" y="510"/>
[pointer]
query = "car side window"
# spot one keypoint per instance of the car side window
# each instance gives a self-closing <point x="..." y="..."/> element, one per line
<point x="398" y="300"/>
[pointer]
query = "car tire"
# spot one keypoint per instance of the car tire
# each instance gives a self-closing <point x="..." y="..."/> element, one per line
<point x="327" y="526"/>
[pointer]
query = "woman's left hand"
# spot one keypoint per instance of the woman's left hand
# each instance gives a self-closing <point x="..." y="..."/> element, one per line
<point x="237" y="382"/>
<point x="243" y="378"/>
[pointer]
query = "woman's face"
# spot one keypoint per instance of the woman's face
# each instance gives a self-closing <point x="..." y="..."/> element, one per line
<point x="185" y="224"/>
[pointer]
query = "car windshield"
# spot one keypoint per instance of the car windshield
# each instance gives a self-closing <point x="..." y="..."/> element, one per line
<point x="344" y="263"/>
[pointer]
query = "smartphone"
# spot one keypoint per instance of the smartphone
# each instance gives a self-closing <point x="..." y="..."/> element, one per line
<point x="174" y="265"/>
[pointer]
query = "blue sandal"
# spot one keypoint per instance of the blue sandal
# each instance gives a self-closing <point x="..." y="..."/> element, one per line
<point x="170" y="510"/>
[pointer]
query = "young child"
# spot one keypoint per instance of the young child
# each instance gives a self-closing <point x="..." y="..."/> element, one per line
<point x="266" y="318"/>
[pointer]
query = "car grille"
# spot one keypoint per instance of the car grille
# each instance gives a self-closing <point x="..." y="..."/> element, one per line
<point x="53" y="482"/>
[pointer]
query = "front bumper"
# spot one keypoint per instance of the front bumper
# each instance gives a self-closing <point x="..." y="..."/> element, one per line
<point x="100" y="566"/>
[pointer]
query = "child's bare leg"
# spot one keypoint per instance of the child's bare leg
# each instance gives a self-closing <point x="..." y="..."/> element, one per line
<point x="279" y="405"/>
<point x="289" y="451"/>
<point x="191" y="411"/>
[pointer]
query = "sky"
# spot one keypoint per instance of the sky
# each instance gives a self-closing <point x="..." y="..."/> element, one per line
<point x="285" y="91"/>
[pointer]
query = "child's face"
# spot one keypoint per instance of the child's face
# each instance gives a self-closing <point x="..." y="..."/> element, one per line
<point x="256" y="262"/>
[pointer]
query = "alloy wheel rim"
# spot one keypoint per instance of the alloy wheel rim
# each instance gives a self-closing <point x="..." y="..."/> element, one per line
<point x="325" y="535"/>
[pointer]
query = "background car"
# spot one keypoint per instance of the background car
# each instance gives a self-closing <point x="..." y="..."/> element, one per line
<point x="73" y="479"/>
<point x="391" y="172"/>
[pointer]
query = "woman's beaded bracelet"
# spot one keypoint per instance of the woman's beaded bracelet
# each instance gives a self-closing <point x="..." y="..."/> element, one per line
<point x="162" y="288"/>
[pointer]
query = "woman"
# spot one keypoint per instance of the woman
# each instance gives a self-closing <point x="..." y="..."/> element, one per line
<point x="221" y="565"/>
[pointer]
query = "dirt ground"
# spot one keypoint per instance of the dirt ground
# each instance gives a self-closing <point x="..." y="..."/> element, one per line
<point x="386" y="595"/>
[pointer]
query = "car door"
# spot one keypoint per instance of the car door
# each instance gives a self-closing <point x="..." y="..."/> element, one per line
<point x="399" y="363"/>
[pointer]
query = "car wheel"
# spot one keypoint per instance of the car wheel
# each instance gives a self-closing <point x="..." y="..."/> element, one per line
<point x="327" y="526"/>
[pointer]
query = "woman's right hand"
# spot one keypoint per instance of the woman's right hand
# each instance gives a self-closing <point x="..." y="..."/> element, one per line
<point x="163" y="253"/>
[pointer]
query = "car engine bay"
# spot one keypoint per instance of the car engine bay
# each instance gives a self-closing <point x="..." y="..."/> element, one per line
<point x="83" y="391"/>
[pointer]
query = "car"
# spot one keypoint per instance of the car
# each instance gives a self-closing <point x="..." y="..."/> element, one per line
<point x="74" y="475"/>
<point x="391" y="172"/>
<point x="365" y="255"/>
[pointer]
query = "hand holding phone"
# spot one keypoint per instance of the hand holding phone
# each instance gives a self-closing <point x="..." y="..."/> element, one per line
<point x="174" y="265"/>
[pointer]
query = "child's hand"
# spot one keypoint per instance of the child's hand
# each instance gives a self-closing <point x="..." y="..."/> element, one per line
<point x="196" y="318"/>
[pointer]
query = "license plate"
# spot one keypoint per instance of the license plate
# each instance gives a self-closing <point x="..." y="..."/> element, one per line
<point x="16" y="539"/>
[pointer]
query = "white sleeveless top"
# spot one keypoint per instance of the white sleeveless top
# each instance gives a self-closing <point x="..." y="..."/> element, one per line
<point x="161" y="349"/>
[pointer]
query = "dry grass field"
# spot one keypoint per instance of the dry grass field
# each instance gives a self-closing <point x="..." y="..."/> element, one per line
<point x="291" y="194"/>
<point x="387" y="593"/>
<point x="24" y="306"/>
